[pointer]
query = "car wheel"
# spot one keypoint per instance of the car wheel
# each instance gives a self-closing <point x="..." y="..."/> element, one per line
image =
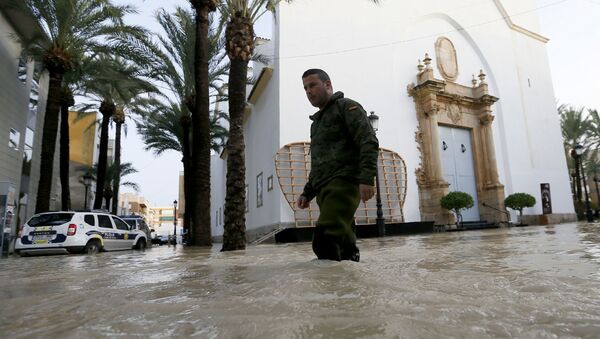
<point x="92" y="247"/>
<point x="141" y="244"/>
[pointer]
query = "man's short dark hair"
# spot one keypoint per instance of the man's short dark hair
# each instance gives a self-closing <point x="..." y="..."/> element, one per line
<point x="323" y="76"/>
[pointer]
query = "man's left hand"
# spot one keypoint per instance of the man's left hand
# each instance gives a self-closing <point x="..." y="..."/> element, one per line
<point x="366" y="192"/>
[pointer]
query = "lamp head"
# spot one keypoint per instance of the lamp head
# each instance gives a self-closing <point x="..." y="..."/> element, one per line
<point x="87" y="179"/>
<point x="579" y="149"/>
<point x="175" y="203"/>
<point x="374" y="120"/>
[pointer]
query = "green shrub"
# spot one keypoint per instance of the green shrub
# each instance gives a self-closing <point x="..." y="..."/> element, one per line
<point x="455" y="202"/>
<point x="519" y="201"/>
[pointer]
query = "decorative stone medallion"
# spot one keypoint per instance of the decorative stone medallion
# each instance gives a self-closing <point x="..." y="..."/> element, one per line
<point x="447" y="63"/>
<point x="453" y="111"/>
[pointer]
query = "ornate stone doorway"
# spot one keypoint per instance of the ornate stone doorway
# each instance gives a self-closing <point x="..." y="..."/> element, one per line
<point x="444" y="102"/>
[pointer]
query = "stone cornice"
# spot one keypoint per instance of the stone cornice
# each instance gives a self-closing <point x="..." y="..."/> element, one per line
<point x="516" y="27"/>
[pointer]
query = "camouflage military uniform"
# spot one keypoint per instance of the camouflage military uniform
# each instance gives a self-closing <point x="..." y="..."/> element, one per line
<point x="343" y="155"/>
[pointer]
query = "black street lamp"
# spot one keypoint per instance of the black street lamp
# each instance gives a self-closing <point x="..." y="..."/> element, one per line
<point x="576" y="176"/>
<point x="174" y="222"/>
<point x="588" y="210"/>
<point x="87" y="182"/>
<point x="380" y="222"/>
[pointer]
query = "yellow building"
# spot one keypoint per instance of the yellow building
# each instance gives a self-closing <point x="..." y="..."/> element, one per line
<point x="82" y="138"/>
<point x="82" y="155"/>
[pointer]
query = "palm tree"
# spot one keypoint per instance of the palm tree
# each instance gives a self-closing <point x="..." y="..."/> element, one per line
<point x="178" y="73"/>
<point x="112" y="174"/>
<point x="66" y="101"/>
<point x="72" y="29"/>
<point x="200" y="165"/>
<point x="163" y="131"/>
<point x="592" y="169"/>
<point x="574" y="126"/>
<point x="111" y="82"/>
<point x="594" y="128"/>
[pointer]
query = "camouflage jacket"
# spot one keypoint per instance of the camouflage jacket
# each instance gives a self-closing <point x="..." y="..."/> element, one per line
<point x="342" y="144"/>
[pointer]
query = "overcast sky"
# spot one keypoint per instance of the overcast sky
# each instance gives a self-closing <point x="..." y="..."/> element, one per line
<point x="572" y="27"/>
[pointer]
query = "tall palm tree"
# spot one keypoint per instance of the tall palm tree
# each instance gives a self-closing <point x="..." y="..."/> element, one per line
<point x="200" y="178"/>
<point x="73" y="28"/>
<point x="178" y="73"/>
<point x="66" y="101"/>
<point x="111" y="82"/>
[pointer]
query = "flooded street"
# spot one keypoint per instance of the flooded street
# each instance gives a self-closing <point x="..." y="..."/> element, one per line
<point x="539" y="281"/>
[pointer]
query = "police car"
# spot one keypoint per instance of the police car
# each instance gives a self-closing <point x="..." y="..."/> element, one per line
<point x="76" y="232"/>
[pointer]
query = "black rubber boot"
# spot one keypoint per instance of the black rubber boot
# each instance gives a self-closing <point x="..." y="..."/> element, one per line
<point x="351" y="252"/>
<point x="325" y="247"/>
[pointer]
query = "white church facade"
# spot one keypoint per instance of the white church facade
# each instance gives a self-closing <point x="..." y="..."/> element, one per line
<point x="463" y="91"/>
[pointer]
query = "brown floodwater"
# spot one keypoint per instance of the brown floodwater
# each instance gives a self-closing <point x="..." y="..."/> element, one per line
<point x="534" y="282"/>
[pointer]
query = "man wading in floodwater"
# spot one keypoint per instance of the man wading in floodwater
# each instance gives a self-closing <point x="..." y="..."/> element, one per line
<point x="343" y="150"/>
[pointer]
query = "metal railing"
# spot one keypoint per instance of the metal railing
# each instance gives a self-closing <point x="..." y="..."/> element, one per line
<point x="266" y="236"/>
<point x="498" y="210"/>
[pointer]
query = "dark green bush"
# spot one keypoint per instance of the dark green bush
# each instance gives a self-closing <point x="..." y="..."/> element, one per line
<point x="519" y="201"/>
<point x="455" y="202"/>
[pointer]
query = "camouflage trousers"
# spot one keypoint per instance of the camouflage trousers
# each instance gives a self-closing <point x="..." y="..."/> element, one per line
<point x="334" y="238"/>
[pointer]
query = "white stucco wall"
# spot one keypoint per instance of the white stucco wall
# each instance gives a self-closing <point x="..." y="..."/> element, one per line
<point x="217" y="194"/>
<point x="262" y="142"/>
<point x="371" y="53"/>
<point x="375" y="62"/>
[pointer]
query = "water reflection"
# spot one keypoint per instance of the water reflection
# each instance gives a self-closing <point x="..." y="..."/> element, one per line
<point x="527" y="282"/>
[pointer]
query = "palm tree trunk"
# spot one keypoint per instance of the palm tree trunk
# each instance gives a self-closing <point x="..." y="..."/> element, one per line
<point x="239" y="36"/>
<point x="200" y="179"/>
<point x="66" y="102"/>
<point x="49" y="142"/>
<point x="107" y="109"/>
<point x="234" y="236"/>
<point x="107" y="201"/>
<point x="117" y="178"/>
<point x="185" y="124"/>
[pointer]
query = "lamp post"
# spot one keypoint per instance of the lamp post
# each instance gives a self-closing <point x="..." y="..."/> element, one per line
<point x="380" y="222"/>
<point x="576" y="175"/>
<point x="588" y="210"/>
<point x="87" y="182"/>
<point x="174" y="222"/>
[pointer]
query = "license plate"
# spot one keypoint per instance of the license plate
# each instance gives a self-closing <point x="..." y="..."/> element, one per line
<point x="41" y="239"/>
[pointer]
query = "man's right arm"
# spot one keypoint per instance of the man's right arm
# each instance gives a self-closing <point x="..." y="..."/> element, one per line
<point x="307" y="195"/>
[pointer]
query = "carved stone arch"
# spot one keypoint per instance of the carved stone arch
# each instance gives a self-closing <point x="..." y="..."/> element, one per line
<point x="439" y="102"/>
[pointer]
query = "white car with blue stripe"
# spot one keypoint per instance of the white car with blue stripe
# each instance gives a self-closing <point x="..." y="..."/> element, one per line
<point x="76" y="232"/>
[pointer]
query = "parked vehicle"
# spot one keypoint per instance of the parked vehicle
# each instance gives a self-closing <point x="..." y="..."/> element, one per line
<point x="157" y="238"/>
<point x="137" y="222"/>
<point x="74" y="232"/>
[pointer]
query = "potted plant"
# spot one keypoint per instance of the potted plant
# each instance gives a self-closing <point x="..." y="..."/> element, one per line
<point x="519" y="201"/>
<point x="455" y="202"/>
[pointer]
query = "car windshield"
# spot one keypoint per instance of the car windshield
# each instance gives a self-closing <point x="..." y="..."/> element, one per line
<point x="50" y="219"/>
<point x="130" y="222"/>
